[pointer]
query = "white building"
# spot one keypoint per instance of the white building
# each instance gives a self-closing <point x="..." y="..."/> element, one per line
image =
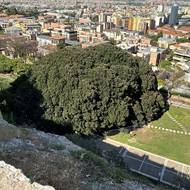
<point x="47" y="40"/>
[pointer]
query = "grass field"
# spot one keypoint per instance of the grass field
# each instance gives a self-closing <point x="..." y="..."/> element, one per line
<point x="169" y="145"/>
<point x="181" y="115"/>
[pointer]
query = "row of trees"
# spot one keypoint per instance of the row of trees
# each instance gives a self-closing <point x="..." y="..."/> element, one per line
<point x="19" y="47"/>
<point x="87" y="90"/>
<point x="28" y="12"/>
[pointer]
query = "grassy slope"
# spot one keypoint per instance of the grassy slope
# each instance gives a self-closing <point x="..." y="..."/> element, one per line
<point x="173" y="146"/>
<point x="180" y="114"/>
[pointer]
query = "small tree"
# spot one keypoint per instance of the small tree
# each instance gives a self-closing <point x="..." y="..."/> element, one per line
<point x="61" y="45"/>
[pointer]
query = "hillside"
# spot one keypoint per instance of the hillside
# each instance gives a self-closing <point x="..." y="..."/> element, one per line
<point x="54" y="160"/>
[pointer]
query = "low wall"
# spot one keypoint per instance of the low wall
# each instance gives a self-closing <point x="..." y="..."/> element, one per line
<point x="180" y="99"/>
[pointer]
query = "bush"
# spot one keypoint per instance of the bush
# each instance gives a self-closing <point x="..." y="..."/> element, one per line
<point x="11" y="65"/>
<point x="165" y="64"/>
<point x="88" y="143"/>
<point x="182" y="40"/>
<point x="6" y="65"/>
<point x="102" y="167"/>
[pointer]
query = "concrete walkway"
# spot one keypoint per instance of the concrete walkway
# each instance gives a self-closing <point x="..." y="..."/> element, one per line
<point x="159" y="168"/>
<point x="180" y="105"/>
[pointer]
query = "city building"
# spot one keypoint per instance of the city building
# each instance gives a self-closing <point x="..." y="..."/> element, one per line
<point x="44" y="40"/>
<point x="182" y="58"/>
<point x="159" y="21"/>
<point x="165" y="42"/>
<point x="181" y="55"/>
<point x="102" y="17"/>
<point x="89" y="34"/>
<point x="160" y="8"/>
<point x="156" y="55"/>
<point x="13" y="31"/>
<point x="173" y="19"/>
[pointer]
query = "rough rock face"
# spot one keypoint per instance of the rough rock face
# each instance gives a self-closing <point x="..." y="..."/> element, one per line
<point x="48" y="159"/>
<point x="42" y="157"/>
<point x="13" y="179"/>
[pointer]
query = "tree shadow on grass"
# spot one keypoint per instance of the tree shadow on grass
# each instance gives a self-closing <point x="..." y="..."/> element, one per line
<point x="22" y="104"/>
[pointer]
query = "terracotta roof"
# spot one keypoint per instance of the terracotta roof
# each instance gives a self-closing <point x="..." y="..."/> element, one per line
<point x="3" y="15"/>
<point x="168" y="31"/>
<point x="181" y="45"/>
<point x="184" y="44"/>
<point x="184" y="29"/>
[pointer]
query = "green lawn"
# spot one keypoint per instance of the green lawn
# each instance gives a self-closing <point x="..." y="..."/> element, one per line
<point x="5" y="81"/>
<point x="173" y="146"/>
<point x="179" y="114"/>
<point x="166" y="144"/>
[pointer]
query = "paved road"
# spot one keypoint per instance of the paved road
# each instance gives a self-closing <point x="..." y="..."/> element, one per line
<point x="181" y="105"/>
<point x="156" y="167"/>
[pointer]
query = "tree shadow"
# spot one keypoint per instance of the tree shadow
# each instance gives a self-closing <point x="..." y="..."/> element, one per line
<point x="22" y="104"/>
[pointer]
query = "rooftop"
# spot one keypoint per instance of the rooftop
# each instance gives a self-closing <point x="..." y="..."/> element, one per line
<point x="57" y="38"/>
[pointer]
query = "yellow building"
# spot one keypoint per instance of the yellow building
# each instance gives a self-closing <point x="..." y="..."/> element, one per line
<point x="117" y="21"/>
<point x="138" y="23"/>
<point x="130" y="23"/>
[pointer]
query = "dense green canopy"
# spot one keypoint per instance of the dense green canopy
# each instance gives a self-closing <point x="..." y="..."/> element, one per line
<point x="92" y="89"/>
